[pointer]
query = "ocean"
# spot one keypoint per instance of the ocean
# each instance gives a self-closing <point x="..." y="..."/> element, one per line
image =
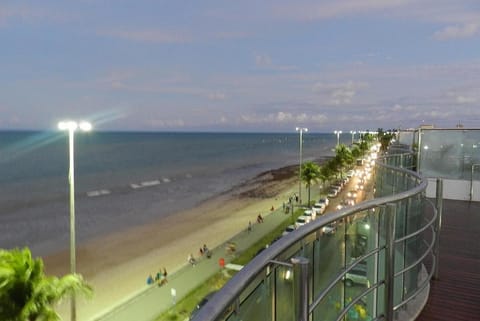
<point x="125" y="179"/>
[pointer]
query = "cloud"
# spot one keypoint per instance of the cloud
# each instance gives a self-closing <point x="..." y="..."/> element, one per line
<point x="149" y="35"/>
<point x="339" y="94"/>
<point x="311" y="10"/>
<point x="457" y="32"/>
<point x="29" y="14"/>
<point x="319" y="119"/>
<point x="264" y="61"/>
<point x="217" y="96"/>
<point x="283" y="117"/>
<point x="399" y="108"/>
<point x="465" y="100"/>
<point x="464" y="96"/>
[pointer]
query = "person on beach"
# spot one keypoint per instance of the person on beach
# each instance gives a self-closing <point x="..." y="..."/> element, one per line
<point x="249" y="229"/>
<point x="272" y="208"/>
<point x="206" y="251"/>
<point x="158" y="276"/>
<point x="201" y="251"/>
<point x="230" y="248"/>
<point x="259" y="218"/>
<point x="163" y="277"/>
<point x="150" y="280"/>
<point x="191" y="259"/>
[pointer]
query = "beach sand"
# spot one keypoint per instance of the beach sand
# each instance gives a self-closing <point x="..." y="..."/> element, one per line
<point x="117" y="265"/>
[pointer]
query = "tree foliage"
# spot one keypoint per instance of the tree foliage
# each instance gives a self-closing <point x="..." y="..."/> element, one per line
<point x="27" y="294"/>
<point x="343" y="157"/>
<point x="310" y="174"/>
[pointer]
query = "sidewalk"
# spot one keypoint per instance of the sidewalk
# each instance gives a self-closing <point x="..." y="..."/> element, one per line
<point x="153" y="300"/>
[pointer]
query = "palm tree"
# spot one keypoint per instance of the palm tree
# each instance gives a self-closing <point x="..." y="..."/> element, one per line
<point x="343" y="156"/>
<point x="356" y="152"/>
<point x="27" y="294"/>
<point x="385" y="141"/>
<point x="310" y="174"/>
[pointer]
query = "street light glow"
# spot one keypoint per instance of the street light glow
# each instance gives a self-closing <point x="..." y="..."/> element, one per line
<point x="338" y="132"/>
<point x="73" y="126"/>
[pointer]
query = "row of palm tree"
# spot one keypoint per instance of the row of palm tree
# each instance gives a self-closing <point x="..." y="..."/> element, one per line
<point x="344" y="157"/>
<point x="27" y="294"/>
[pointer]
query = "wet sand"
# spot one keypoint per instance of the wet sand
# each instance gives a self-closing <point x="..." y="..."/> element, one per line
<point x="117" y="264"/>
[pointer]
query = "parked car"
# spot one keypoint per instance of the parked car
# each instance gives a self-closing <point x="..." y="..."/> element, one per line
<point x="350" y="173"/>
<point x="301" y="220"/>
<point x="357" y="275"/>
<point x="288" y="230"/>
<point x="324" y="200"/>
<point x="310" y="214"/>
<point x="319" y="208"/>
<point x="329" y="229"/>
<point x="337" y="186"/>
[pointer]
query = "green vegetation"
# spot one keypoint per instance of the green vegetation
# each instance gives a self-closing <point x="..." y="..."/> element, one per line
<point x="27" y="294"/>
<point x="385" y="139"/>
<point x="310" y="174"/>
<point x="182" y="309"/>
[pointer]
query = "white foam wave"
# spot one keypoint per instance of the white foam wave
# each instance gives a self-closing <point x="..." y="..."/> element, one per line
<point x="98" y="193"/>
<point x="145" y="184"/>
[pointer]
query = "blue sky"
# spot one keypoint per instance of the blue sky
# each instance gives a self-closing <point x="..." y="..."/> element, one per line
<point x="218" y="65"/>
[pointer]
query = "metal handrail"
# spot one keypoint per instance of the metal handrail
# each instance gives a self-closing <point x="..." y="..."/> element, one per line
<point x="422" y="286"/>
<point x="339" y="277"/>
<point x="424" y="255"/>
<point x="230" y="291"/>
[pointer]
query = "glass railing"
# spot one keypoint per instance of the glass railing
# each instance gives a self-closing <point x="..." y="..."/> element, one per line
<point x="365" y="262"/>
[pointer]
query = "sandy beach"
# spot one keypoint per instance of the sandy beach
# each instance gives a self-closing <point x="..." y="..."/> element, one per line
<point x="117" y="264"/>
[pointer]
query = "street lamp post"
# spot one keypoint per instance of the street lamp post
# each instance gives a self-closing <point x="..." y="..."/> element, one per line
<point x="71" y="127"/>
<point x="338" y="132"/>
<point x="300" y="130"/>
<point x="353" y="134"/>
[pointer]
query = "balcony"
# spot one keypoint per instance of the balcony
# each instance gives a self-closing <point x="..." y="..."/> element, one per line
<point x="376" y="264"/>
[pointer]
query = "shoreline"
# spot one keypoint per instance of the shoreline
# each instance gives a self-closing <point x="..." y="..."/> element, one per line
<point x="117" y="264"/>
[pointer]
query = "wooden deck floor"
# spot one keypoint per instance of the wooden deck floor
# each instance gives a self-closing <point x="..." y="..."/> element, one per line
<point x="455" y="296"/>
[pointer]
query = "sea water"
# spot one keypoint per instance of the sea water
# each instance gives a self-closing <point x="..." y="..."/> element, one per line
<point x="126" y="179"/>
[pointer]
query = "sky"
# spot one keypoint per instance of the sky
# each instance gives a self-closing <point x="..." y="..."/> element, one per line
<point x="240" y="66"/>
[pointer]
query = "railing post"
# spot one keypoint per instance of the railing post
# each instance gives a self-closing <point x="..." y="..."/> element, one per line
<point x="301" y="291"/>
<point x="438" y="225"/>
<point x="390" y="260"/>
